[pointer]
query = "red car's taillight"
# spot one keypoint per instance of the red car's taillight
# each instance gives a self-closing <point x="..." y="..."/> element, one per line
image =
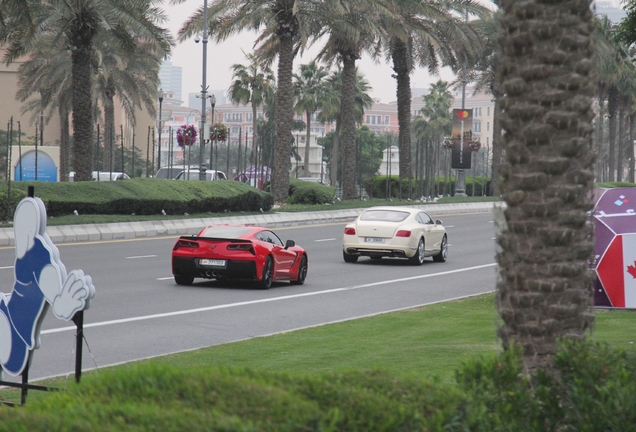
<point x="186" y="244"/>
<point x="350" y="231"/>
<point x="247" y="247"/>
<point x="403" y="233"/>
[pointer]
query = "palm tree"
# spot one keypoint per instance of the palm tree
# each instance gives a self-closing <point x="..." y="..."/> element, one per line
<point x="47" y="76"/>
<point x="252" y="84"/>
<point x="427" y="34"/>
<point x="77" y="24"/>
<point x="483" y="73"/>
<point x="331" y="109"/>
<point x="353" y="27"/>
<point x="283" y="27"/>
<point x="615" y="75"/>
<point x="310" y="88"/>
<point x="543" y="290"/>
<point x="437" y="123"/>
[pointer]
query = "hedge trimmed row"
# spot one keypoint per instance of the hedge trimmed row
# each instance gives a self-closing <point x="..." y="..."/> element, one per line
<point x="304" y="192"/>
<point x="142" y="196"/>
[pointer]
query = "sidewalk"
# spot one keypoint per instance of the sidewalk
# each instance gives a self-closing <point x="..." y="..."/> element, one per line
<point x="131" y="230"/>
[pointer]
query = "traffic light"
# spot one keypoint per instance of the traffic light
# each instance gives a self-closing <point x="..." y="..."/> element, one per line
<point x="462" y="114"/>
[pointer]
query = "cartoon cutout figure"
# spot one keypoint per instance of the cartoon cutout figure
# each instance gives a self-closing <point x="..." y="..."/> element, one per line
<point x="40" y="280"/>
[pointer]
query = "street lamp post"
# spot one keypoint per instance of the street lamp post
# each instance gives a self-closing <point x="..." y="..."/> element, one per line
<point x="212" y="103"/>
<point x="160" y="127"/>
<point x="204" y="89"/>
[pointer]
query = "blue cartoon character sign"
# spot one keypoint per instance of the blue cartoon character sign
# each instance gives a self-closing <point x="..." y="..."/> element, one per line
<point x="41" y="281"/>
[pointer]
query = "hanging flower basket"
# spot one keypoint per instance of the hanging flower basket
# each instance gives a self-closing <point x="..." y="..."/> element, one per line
<point x="448" y="143"/>
<point x="186" y="135"/>
<point x="474" y="146"/>
<point x="218" y="132"/>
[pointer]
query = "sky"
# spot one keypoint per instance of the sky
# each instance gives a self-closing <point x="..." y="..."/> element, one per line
<point x="221" y="57"/>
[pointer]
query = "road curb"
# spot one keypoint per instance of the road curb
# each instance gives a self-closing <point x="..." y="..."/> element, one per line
<point x="131" y="230"/>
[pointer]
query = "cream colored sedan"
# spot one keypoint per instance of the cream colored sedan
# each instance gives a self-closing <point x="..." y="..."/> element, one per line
<point x="397" y="232"/>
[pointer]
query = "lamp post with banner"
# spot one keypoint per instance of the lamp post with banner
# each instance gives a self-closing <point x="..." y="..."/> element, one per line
<point x="461" y="135"/>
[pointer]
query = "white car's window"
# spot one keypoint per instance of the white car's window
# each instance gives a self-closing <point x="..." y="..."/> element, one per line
<point x="424" y="218"/>
<point x="384" y="215"/>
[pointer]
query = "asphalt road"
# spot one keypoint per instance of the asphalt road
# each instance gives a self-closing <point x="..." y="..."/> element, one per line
<point x="139" y="312"/>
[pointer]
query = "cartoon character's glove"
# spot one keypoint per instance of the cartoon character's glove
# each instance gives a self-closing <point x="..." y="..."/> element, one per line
<point x="76" y="294"/>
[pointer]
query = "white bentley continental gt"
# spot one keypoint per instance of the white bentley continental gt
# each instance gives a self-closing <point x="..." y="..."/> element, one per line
<point x="396" y="232"/>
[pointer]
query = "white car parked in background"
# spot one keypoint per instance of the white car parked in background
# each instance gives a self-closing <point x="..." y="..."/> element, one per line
<point x="193" y="174"/>
<point x="397" y="232"/>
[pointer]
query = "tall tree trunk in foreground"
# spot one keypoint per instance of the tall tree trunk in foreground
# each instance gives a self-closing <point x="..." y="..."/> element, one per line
<point x="544" y="289"/>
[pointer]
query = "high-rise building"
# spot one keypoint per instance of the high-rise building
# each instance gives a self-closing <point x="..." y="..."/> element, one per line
<point x="171" y="78"/>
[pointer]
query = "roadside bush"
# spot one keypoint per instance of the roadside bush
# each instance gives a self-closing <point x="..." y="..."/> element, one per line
<point x="593" y="388"/>
<point x="304" y="192"/>
<point x="8" y="202"/>
<point x="378" y="186"/>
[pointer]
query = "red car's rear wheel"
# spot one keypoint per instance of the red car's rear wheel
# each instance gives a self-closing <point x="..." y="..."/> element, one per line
<point x="268" y="273"/>
<point x="302" y="271"/>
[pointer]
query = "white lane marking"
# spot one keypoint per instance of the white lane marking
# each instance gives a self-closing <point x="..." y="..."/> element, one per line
<point x="324" y="240"/>
<point x="449" y="226"/>
<point x="165" y="278"/>
<point x="7" y="267"/>
<point x="141" y="256"/>
<point x="268" y="300"/>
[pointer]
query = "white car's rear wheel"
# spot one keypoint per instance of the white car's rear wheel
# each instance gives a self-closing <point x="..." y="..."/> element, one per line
<point x="418" y="258"/>
<point x="443" y="251"/>
<point x="349" y="258"/>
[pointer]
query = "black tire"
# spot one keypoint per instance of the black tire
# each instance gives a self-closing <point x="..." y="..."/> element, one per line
<point x="349" y="258"/>
<point x="443" y="252"/>
<point x="268" y="274"/>
<point x="183" y="280"/>
<point x="418" y="258"/>
<point x="302" y="271"/>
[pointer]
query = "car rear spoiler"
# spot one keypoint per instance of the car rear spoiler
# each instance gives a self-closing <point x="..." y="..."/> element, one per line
<point x="231" y="240"/>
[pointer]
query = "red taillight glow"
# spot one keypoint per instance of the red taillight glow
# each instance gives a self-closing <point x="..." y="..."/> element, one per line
<point x="239" y="246"/>
<point x="403" y="233"/>
<point x="186" y="244"/>
<point x="350" y="231"/>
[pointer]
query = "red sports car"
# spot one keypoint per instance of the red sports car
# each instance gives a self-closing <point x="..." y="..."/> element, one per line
<point x="231" y="252"/>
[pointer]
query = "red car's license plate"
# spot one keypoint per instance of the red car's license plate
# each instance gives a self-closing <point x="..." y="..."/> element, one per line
<point x="212" y="262"/>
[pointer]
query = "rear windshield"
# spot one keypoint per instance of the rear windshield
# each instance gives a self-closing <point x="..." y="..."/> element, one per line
<point x="384" y="215"/>
<point x="225" y="232"/>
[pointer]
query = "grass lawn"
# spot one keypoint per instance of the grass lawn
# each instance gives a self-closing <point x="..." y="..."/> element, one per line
<point x="432" y="342"/>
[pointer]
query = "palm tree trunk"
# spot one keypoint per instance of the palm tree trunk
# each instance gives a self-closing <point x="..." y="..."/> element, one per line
<point x="600" y="126"/>
<point x="254" y="138"/>
<point x="284" y="117"/>
<point x="335" y="154"/>
<point x="306" y="158"/>
<point x="347" y="111"/>
<point x="82" y="113"/>
<point x="630" y="146"/>
<point x="65" y="143"/>
<point x="621" y="145"/>
<point x="612" y="112"/>
<point x="497" y="153"/>
<point x="543" y="290"/>
<point x="399" y="54"/>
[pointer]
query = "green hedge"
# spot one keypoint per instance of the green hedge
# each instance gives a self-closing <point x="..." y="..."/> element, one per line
<point x="144" y="196"/>
<point x="304" y="192"/>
